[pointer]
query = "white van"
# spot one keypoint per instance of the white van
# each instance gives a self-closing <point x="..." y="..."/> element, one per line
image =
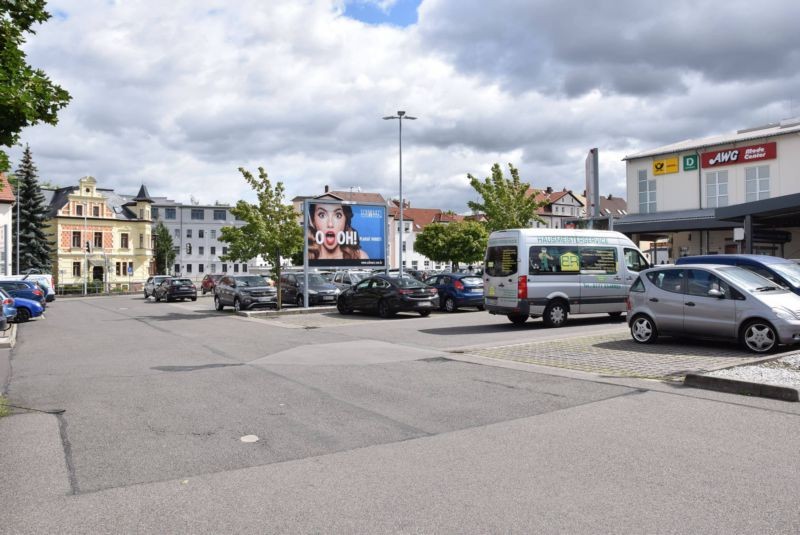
<point x="556" y="272"/>
<point x="44" y="279"/>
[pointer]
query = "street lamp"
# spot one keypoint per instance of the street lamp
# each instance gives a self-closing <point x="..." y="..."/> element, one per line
<point x="400" y="116"/>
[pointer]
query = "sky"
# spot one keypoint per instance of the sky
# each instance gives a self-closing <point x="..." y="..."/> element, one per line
<point x="178" y="95"/>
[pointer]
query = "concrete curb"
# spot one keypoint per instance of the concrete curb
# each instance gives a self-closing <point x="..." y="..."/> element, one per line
<point x="10" y="337"/>
<point x="284" y="312"/>
<point x="732" y="386"/>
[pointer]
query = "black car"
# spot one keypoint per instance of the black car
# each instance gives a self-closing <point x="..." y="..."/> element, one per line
<point x="173" y="288"/>
<point x="320" y="290"/>
<point x="244" y="292"/>
<point x="388" y="295"/>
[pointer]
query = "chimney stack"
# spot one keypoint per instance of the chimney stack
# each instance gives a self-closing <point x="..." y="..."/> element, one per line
<point x="326" y="188"/>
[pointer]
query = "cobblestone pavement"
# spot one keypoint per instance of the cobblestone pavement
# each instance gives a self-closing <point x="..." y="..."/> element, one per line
<point x="618" y="356"/>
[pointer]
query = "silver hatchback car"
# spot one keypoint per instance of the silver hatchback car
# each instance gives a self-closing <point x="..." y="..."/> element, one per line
<point x="711" y="301"/>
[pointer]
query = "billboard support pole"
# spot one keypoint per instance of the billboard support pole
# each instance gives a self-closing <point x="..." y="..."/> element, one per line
<point x="306" y="217"/>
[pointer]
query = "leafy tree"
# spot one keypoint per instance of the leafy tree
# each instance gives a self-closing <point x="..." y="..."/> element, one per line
<point x="34" y="247"/>
<point x="457" y="242"/>
<point x="271" y="228"/>
<point x="164" y="249"/>
<point x="27" y="96"/>
<point x="506" y="203"/>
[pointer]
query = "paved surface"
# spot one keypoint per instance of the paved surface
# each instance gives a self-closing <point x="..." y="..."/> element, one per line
<point x="372" y="426"/>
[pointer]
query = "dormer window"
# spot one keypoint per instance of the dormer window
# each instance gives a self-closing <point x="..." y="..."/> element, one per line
<point x="96" y="211"/>
<point x="78" y="209"/>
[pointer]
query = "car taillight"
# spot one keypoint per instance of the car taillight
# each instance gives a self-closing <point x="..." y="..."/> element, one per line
<point x="628" y="303"/>
<point x="522" y="287"/>
<point x="37" y="292"/>
<point x="459" y="285"/>
<point x="8" y="301"/>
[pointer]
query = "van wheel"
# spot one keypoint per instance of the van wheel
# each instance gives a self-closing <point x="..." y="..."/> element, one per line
<point x="555" y="315"/>
<point x="759" y="336"/>
<point x="643" y="330"/>
<point x="517" y="319"/>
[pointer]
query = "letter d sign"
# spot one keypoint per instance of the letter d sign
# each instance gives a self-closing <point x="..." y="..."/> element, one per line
<point x="690" y="162"/>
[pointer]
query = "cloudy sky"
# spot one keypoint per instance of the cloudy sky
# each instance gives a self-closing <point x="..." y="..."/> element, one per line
<point x="177" y="95"/>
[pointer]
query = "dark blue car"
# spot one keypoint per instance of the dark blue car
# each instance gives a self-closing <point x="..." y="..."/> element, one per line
<point x="24" y="289"/>
<point x="9" y="310"/>
<point x="458" y="290"/>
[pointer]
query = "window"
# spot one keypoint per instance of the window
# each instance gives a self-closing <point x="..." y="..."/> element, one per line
<point x="501" y="260"/>
<point x="122" y="268"/>
<point x="176" y="269"/>
<point x="198" y="214"/>
<point x="634" y="261"/>
<point x="176" y="249"/>
<point x="155" y="212"/>
<point x="700" y="282"/>
<point x="404" y="247"/>
<point x="76" y="269"/>
<point x="188" y="248"/>
<point x="98" y="239"/>
<point x="756" y="181"/>
<point x="201" y="233"/>
<point x="638" y="286"/>
<point x="141" y="241"/>
<point x="177" y="233"/>
<point x="200" y="268"/>
<point x="669" y="280"/>
<point x="78" y="209"/>
<point x="141" y="213"/>
<point x="716" y="189"/>
<point x="201" y="250"/>
<point x="213" y="234"/>
<point x="647" y="193"/>
<point x="188" y="233"/>
<point x="244" y="268"/>
<point x="219" y="215"/>
<point x="76" y="238"/>
<point x="224" y="251"/>
<point x="224" y="268"/>
<point x="236" y="268"/>
<point x="169" y="213"/>
<point x="123" y="240"/>
<point x="555" y="260"/>
<point x="96" y="211"/>
<point x="213" y="250"/>
<point x="213" y="268"/>
<point x="188" y="268"/>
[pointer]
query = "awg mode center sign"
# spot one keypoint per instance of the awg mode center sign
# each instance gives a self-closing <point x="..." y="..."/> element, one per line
<point x="751" y="153"/>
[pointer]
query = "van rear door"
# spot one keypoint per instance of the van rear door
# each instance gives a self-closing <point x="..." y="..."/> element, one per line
<point x="501" y="273"/>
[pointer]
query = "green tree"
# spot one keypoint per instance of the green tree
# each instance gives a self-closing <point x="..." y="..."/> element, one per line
<point x="457" y="242"/>
<point x="27" y="96"/>
<point x="506" y="202"/>
<point x="34" y="246"/>
<point x="164" y="252"/>
<point x="271" y="227"/>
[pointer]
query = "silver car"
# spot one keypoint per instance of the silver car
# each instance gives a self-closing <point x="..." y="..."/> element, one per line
<point x="713" y="301"/>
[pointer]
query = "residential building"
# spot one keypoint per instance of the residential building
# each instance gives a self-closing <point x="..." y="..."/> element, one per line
<point x="737" y="192"/>
<point x="561" y="207"/>
<point x="100" y="236"/>
<point x="196" y="231"/>
<point x="7" y="205"/>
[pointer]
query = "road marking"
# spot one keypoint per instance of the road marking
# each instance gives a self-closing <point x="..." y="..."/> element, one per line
<point x="249" y="439"/>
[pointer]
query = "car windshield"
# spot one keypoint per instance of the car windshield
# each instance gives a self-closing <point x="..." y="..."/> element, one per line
<point x="407" y="282"/>
<point x="314" y="279"/>
<point x="789" y="271"/>
<point x="252" y="280"/>
<point x="181" y="282"/>
<point x="748" y="280"/>
<point x="355" y="277"/>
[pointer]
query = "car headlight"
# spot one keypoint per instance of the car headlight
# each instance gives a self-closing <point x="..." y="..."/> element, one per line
<point x="785" y="314"/>
<point x="312" y="292"/>
<point x="337" y="291"/>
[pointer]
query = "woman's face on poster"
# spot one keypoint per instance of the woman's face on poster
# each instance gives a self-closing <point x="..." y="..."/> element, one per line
<point x="330" y="220"/>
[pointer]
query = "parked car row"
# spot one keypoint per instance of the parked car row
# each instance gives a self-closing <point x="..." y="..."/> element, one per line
<point x="24" y="297"/>
<point x="170" y="288"/>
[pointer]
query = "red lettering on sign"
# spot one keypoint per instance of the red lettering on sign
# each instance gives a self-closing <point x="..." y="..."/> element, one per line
<point x="765" y="151"/>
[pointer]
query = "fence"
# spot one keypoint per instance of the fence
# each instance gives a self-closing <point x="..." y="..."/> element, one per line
<point x="99" y="288"/>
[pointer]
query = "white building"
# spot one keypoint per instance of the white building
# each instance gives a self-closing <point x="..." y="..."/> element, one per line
<point x="696" y="192"/>
<point x="7" y="204"/>
<point x="195" y="231"/>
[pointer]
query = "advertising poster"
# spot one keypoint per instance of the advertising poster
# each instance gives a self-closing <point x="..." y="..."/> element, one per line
<point x="346" y="235"/>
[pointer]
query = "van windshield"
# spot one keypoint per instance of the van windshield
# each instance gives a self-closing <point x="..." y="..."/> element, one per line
<point x="789" y="271"/>
<point x="501" y="260"/>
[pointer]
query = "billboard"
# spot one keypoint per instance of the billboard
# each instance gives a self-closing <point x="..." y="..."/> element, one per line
<point x="345" y="235"/>
<point x="751" y="153"/>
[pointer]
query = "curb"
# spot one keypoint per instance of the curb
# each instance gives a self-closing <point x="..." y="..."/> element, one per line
<point x="732" y="386"/>
<point x="10" y="338"/>
<point x="285" y="312"/>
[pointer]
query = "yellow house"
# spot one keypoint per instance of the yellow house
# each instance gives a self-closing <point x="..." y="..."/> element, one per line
<point x="100" y="236"/>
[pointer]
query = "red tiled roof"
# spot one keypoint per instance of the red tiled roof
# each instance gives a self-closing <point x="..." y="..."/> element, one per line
<point x="6" y="192"/>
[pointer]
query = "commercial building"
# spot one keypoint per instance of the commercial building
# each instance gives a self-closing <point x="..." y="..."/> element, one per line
<point x="100" y="236"/>
<point x="737" y="192"/>
<point x="195" y="231"/>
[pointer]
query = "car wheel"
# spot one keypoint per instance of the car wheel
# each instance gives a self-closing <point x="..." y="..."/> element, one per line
<point x="759" y="336"/>
<point x="383" y="309"/>
<point x="555" y="315"/>
<point x="158" y="299"/>
<point x="424" y="313"/>
<point x="481" y="308"/>
<point x="23" y="315"/>
<point x="237" y="305"/>
<point x="342" y="308"/>
<point x="450" y="304"/>
<point x="204" y="291"/>
<point x="299" y="300"/>
<point x="517" y="319"/>
<point x="217" y="303"/>
<point x="643" y="330"/>
<point x="145" y="294"/>
<point x="194" y="298"/>
<point x="170" y="299"/>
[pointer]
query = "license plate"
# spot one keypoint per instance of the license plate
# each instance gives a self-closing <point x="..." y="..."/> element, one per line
<point x="424" y="304"/>
<point x="265" y="299"/>
<point x="327" y="298"/>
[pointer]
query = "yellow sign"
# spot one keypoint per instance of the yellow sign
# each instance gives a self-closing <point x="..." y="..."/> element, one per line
<point x="665" y="167"/>
<point x="570" y="262"/>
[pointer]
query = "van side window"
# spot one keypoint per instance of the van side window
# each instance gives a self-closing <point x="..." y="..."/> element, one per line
<point x="550" y="260"/>
<point x="501" y="260"/>
<point x="634" y="260"/>
<point x="599" y="259"/>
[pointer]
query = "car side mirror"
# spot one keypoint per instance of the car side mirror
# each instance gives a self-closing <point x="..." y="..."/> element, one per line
<point x="713" y="292"/>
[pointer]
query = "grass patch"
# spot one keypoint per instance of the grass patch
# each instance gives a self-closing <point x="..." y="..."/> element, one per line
<point x="4" y="411"/>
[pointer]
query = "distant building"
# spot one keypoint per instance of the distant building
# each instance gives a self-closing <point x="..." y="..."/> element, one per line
<point x="100" y="236"/>
<point x="195" y="231"/>
<point x="7" y="202"/>
<point x="560" y="208"/>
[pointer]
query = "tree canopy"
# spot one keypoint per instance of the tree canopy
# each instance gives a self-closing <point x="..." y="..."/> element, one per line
<point x="457" y="242"/>
<point x="164" y="249"/>
<point x="27" y="96"/>
<point x="34" y="246"/>
<point x="271" y="227"/>
<point x="505" y="202"/>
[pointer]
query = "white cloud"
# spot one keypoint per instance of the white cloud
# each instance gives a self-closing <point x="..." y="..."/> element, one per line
<point x="178" y="95"/>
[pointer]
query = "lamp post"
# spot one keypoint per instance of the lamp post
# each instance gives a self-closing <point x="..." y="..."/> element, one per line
<point x="400" y="116"/>
<point x="85" y="249"/>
